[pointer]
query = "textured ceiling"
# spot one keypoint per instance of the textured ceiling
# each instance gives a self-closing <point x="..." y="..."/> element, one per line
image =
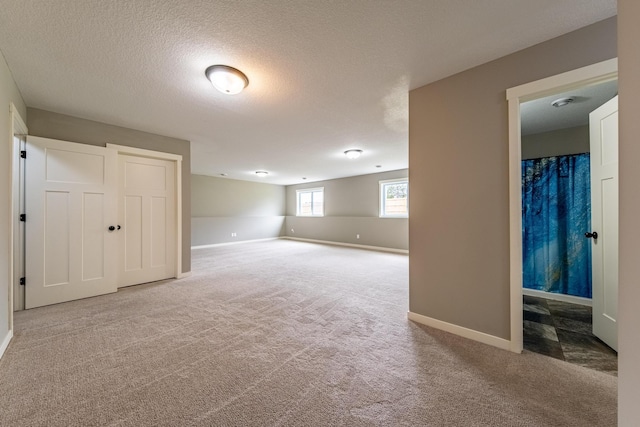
<point x="539" y="115"/>
<point x="325" y="76"/>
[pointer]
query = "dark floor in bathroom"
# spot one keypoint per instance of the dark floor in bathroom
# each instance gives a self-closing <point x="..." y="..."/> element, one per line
<point x="563" y="330"/>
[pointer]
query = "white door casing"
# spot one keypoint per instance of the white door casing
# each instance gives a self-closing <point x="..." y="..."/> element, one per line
<point x="147" y="215"/>
<point x="70" y="203"/>
<point x="560" y="83"/>
<point x="603" y="125"/>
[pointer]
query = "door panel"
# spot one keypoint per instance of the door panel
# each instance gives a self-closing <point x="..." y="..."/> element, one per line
<point x="70" y="201"/>
<point x="93" y="236"/>
<point x="132" y="233"/>
<point x="603" y="124"/>
<point x="158" y="231"/>
<point x="148" y="218"/>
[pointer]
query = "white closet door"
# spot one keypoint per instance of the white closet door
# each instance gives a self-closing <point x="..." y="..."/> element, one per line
<point x="147" y="212"/>
<point x="71" y="201"/>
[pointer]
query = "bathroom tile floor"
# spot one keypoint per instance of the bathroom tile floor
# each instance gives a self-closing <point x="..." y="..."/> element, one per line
<point x="563" y="330"/>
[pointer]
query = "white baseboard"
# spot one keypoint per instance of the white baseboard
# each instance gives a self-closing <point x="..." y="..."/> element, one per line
<point x="5" y="343"/>
<point x="215" y="245"/>
<point x="183" y="275"/>
<point x="351" y="245"/>
<point x="557" y="297"/>
<point x="461" y="331"/>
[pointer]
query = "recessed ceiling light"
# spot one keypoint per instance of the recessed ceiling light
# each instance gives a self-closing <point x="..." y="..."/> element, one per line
<point x="227" y="79"/>
<point x="223" y="174"/>
<point x="352" y="154"/>
<point x="562" y="102"/>
<point x="304" y="177"/>
<point x="378" y="166"/>
<point x="262" y="174"/>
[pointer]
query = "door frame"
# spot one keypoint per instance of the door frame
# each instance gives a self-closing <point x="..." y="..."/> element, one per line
<point x="139" y="152"/>
<point x="18" y="128"/>
<point x="585" y="76"/>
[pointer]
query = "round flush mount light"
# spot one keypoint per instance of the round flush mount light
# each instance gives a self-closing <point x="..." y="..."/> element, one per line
<point x="262" y="174"/>
<point x="227" y="79"/>
<point x="353" y="154"/>
<point x="562" y="102"/>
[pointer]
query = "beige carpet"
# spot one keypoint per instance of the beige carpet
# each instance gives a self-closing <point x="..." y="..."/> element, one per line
<point x="278" y="333"/>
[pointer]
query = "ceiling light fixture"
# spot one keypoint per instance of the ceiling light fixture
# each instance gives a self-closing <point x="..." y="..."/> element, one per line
<point x="227" y="79"/>
<point x="352" y="154"/>
<point x="262" y="174"/>
<point x="562" y="102"/>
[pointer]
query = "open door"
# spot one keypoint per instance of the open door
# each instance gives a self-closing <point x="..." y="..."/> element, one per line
<point x="603" y="124"/>
<point x="70" y="206"/>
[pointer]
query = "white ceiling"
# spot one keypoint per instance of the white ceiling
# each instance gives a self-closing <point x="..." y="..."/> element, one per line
<point x="539" y="115"/>
<point x="325" y="76"/>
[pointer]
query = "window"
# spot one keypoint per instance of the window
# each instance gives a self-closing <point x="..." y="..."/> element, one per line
<point x="310" y="202"/>
<point x="394" y="198"/>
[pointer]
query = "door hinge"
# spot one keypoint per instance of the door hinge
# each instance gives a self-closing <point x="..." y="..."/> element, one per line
<point x="23" y="281"/>
<point x="23" y="217"/>
<point x="23" y="154"/>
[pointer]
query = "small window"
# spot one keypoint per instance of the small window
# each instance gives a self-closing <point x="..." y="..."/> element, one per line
<point x="310" y="202"/>
<point x="394" y="198"/>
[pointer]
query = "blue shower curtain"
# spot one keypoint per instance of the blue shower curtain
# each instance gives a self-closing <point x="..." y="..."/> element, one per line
<point x="556" y="212"/>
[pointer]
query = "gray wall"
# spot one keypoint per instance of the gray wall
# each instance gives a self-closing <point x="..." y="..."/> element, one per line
<point x="458" y="163"/>
<point x="629" y="296"/>
<point x="221" y="206"/>
<point x="351" y="207"/>
<point x="67" y="128"/>
<point x="8" y="93"/>
<point x="560" y="142"/>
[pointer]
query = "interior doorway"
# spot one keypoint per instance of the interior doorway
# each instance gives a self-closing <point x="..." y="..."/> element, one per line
<point x="557" y="134"/>
<point x="573" y="80"/>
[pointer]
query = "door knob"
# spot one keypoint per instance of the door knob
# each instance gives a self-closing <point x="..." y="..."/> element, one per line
<point x="590" y="235"/>
<point x="111" y="228"/>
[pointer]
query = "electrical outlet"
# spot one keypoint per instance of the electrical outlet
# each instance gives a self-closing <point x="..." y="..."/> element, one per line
<point x="292" y="231"/>
<point x="233" y="234"/>
<point x="357" y="236"/>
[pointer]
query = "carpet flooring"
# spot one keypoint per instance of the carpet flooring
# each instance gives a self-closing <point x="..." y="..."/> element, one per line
<point x="278" y="333"/>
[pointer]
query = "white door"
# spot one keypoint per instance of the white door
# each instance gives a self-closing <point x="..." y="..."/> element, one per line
<point x="70" y="203"/>
<point x="147" y="213"/>
<point x="603" y="124"/>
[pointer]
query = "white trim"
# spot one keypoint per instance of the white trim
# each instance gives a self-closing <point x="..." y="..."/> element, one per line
<point x="183" y="275"/>
<point x="215" y="245"/>
<point x="461" y="331"/>
<point x="309" y="190"/>
<point x="585" y="76"/>
<point x="17" y="127"/>
<point x="123" y="149"/>
<point x="140" y="152"/>
<point x="381" y="199"/>
<point x="515" y="227"/>
<point x="5" y="343"/>
<point x="557" y="297"/>
<point x="351" y="245"/>
<point x="178" y="217"/>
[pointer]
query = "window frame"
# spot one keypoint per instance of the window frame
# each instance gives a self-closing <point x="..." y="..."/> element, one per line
<point x="311" y="191"/>
<point x="382" y="198"/>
